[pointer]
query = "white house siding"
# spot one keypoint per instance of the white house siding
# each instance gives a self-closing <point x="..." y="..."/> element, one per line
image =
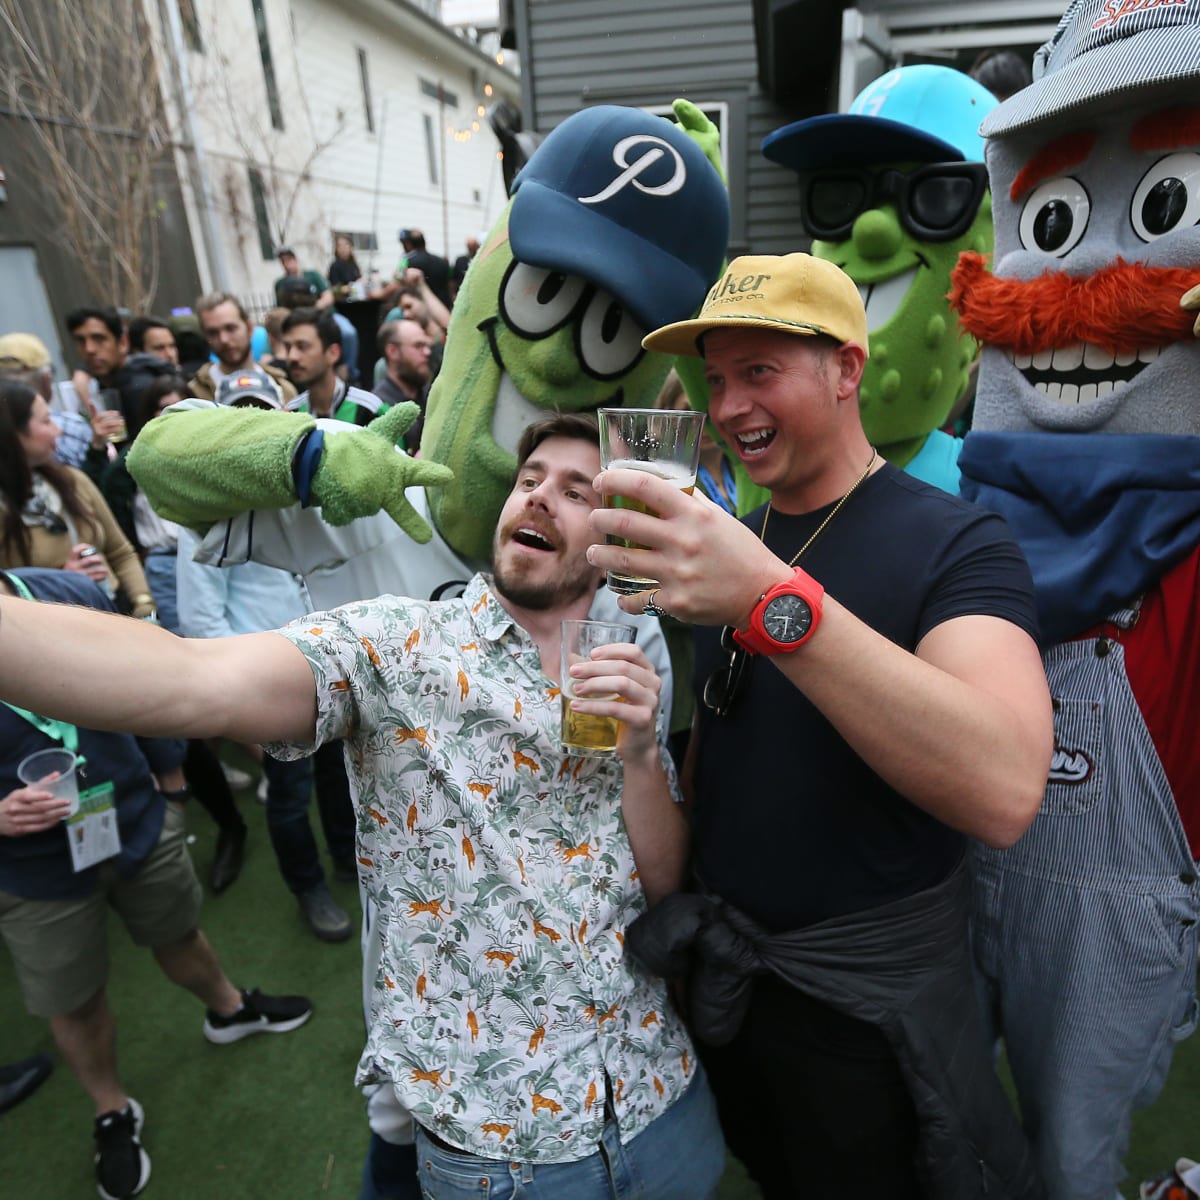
<point x="314" y="46"/>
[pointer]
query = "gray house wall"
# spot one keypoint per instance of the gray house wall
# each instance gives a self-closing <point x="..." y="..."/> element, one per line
<point x="648" y="52"/>
<point x="27" y="219"/>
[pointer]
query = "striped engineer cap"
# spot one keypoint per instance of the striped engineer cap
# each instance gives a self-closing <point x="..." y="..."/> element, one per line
<point x="1109" y="51"/>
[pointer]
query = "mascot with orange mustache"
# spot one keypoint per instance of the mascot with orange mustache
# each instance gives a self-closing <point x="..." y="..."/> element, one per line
<point x="1087" y="439"/>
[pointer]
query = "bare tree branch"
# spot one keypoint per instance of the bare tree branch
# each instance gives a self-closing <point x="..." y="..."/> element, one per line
<point x="87" y="90"/>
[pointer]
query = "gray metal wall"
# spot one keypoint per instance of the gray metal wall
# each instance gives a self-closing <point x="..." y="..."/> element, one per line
<point x="648" y="52"/>
<point x="27" y="219"/>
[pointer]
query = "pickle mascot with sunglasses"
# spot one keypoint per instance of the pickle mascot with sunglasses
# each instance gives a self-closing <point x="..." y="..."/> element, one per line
<point x="1087" y="439"/>
<point x="892" y="192"/>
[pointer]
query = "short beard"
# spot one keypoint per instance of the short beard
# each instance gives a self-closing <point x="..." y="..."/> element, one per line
<point x="539" y="597"/>
<point x="410" y="378"/>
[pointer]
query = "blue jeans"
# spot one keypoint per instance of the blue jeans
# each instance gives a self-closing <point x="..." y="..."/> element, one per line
<point x="390" y="1172"/>
<point x="679" y="1156"/>
<point x="160" y="575"/>
<point x="289" y="795"/>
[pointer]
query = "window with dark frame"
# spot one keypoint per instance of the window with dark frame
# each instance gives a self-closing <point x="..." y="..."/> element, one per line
<point x="435" y="91"/>
<point x="360" y="241"/>
<point x="258" y="197"/>
<point x="365" y="77"/>
<point x="268" y="64"/>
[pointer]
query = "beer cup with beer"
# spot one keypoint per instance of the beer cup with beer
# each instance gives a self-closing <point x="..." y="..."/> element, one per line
<point x="585" y="733"/>
<point x="665" y="442"/>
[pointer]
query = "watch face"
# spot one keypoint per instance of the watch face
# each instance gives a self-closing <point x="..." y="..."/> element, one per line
<point x="787" y="619"/>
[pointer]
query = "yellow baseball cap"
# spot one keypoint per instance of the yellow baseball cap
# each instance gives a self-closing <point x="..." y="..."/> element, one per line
<point x="788" y="293"/>
<point x="25" y="351"/>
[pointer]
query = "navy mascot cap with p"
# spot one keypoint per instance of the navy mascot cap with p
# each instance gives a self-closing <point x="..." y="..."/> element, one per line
<point x="628" y="201"/>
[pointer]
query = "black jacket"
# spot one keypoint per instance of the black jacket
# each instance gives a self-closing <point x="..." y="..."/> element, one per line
<point x="905" y="968"/>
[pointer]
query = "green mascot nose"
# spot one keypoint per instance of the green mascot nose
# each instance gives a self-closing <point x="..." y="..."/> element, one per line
<point x="876" y="234"/>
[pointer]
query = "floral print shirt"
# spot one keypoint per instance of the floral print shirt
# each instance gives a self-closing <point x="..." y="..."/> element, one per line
<point x="504" y="1005"/>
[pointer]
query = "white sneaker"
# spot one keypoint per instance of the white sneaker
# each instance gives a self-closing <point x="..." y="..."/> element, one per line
<point x="235" y="778"/>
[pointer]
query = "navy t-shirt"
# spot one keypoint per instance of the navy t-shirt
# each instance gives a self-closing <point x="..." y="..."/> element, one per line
<point x="37" y="866"/>
<point x="790" y="825"/>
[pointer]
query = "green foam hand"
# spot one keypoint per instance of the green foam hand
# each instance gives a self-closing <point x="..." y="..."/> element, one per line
<point x="201" y="466"/>
<point x="702" y="131"/>
<point x="361" y="473"/>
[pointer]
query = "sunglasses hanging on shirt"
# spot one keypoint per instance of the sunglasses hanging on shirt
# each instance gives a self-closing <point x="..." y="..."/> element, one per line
<point x="37" y="512"/>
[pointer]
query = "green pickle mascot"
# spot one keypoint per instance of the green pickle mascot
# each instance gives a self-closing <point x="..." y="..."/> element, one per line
<point x="617" y="224"/>
<point x="1087" y="440"/>
<point x="892" y="192"/>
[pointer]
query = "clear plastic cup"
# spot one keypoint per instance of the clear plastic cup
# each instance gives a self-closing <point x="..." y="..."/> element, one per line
<point x="52" y="771"/>
<point x="663" y="442"/>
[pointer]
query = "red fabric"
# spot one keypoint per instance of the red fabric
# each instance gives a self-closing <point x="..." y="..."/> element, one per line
<point x="1166" y="130"/>
<point x="1162" y="661"/>
<point x="1052" y="159"/>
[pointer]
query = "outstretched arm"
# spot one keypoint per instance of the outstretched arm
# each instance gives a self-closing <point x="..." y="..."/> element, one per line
<point x="107" y="672"/>
<point x="205" y="465"/>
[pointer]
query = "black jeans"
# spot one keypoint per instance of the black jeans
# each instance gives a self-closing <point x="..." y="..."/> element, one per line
<point x="813" y="1102"/>
<point x="202" y="770"/>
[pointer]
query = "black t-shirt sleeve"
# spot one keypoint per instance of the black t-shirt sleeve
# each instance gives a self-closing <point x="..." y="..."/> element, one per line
<point x="980" y="571"/>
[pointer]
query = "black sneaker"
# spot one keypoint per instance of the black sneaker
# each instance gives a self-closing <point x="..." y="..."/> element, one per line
<point x="258" y="1014"/>
<point x="21" y="1079"/>
<point x="227" y="863"/>
<point x="122" y="1164"/>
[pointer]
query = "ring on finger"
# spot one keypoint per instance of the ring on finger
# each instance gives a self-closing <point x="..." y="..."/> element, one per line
<point x="652" y="608"/>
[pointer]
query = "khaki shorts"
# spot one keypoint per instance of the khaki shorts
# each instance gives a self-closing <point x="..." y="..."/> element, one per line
<point x="60" y="947"/>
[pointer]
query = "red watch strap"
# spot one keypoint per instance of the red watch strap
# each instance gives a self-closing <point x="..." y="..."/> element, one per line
<point x="756" y="639"/>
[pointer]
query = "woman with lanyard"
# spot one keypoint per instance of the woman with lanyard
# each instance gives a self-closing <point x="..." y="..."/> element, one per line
<point x="48" y="511"/>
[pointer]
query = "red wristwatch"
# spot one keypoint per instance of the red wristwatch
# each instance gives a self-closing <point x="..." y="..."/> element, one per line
<point x="785" y="617"/>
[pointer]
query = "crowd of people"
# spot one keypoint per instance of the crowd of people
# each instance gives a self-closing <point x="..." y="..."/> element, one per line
<point x="76" y="528"/>
<point x="638" y="1088"/>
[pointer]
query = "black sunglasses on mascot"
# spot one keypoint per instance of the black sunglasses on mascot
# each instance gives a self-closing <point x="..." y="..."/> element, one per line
<point x="722" y="687"/>
<point x="936" y="202"/>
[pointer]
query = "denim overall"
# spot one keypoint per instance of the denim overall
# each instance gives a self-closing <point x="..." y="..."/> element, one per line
<point x="1085" y="931"/>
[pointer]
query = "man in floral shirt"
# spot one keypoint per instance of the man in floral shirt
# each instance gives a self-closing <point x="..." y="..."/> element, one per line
<point x="533" y="1054"/>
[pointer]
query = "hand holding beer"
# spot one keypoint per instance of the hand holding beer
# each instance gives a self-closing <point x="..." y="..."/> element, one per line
<point x="601" y="669"/>
<point x="663" y="442"/>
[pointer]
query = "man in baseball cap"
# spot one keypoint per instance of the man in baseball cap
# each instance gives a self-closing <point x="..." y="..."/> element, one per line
<point x="900" y="627"/>
<point x="251" y="388"/>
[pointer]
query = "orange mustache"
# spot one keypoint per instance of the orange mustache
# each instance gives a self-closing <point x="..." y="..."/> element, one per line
<point x="1121" y="308"/>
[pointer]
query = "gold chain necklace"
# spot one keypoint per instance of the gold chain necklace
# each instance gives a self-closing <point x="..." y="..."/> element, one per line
<point x="762" y="534"/>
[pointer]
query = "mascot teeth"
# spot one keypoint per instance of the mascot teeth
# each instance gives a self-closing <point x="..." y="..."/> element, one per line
<point x="882" y="300"/>
<point x="512" y="414"/>
<point x="1081" y="372"/>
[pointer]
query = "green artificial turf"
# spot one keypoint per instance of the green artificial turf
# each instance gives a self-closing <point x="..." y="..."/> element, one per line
<point x="278" y="1116"/>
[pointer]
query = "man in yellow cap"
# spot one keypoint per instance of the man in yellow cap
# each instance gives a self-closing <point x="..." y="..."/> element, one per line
<point x="901" y="709"/>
